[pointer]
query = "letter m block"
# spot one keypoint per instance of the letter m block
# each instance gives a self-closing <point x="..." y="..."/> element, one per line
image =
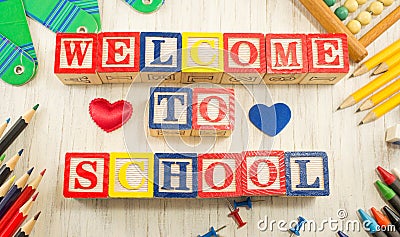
<point x="86" y="175"/>
<point x="75" y="59"/>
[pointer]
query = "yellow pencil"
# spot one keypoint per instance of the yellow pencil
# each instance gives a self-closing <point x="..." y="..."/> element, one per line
<point x="4" y="126"/>
<point x="378" y="58"/>
<point x="371" y="87"/>
<point x="382" y="109"/>
<point x="388" y="64"/>
<point x="380" y="96"/>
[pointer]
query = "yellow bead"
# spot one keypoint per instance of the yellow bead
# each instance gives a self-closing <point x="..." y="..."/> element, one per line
<point x="387" y="2"/>
<point x="364" y="18"/>
<point x="351" y="5"/>
<point x="360" y="2"/>
<point x="354" y="26"/>
<point x="376" y="8"/>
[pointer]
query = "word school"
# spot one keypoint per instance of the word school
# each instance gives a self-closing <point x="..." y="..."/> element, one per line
<point x="189" y="175"/>
<point x="229" y="58"/>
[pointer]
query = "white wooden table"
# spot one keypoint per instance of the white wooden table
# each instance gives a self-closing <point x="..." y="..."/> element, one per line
<point x="62" y="125"/>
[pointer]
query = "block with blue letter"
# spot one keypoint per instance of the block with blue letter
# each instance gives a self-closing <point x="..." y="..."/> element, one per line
<point x="160" y="57"/>
<point x="307" y="174"/>
<point x="170" y="111"/>
<point x="175" y="175"/>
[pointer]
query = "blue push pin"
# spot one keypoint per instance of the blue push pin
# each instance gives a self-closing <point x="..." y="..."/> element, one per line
<point x="297" y="228"/>
<point x="246" y="204"/>
<point x="212" y="232"/>
<point x="341" y="234"/>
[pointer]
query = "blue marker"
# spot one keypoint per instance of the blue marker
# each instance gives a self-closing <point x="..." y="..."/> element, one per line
<point x="212" y="232"/>
<point x="246" y="204"/>
<point x="370" y="224"/>
<point x="296" y="230"/>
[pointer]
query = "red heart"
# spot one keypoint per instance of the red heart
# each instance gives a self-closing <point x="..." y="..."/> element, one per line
<point x="110" y="117"/>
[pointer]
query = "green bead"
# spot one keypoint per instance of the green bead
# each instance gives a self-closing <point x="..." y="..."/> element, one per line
<point x="330" y="3"/>
<point x="342" y="13"/>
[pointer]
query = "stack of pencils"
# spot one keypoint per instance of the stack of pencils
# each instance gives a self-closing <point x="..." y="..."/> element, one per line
<point x="386" y="99"/>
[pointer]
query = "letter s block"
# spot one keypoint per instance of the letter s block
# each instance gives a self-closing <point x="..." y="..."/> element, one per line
<point x="119" y="54"/>
<point x="86" y="175"/>
<point x="328" y="58"/>
<point x="307" y="174"/>
<point x="75" y="59"/>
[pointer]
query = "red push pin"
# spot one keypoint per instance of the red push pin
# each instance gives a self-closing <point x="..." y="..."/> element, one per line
<point x="235" y="215"/>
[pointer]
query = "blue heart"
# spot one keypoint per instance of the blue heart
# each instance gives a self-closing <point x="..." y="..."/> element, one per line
<point x="270" y="120"/>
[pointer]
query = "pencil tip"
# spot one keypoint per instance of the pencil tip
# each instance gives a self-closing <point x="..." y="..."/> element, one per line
<point x="358" y="110"/>
<point x="2" y="157"/>
<point x="8" y="120"/>
<point x="361" y="123"/>
<point x="30" y="170"/>
<point x="35" y="196"/>
<point x="42" y="173"/>
<point x="35" y="107"/>
<point x="37" y="216"/>
<point x="338" y="108"/>
<point x="20" y="152"/>
<point x="12" y="179"/>
<point x="352" y="75"/>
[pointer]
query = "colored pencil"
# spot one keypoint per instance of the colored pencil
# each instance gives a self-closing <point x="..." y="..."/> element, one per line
<point x="14" y="193"/>
<point x="341" y="234"/>
<point x="388" y="64"/>
<point x="9" y="166"/>
<point x="23" y="198"/>
<point x="2" y="157"/>
<point x="4" y="126"/>
<point x="378" y="58"/>
<point x="11" y="227"/>
<point x="371" y="87"/>
<point x="16" y="129"/>
<point x="382" y="109"/>
<point x="26" y="229"/>
<point x="383" y="221"/>
<point x="5" y="187"/>
<point x="380" y="96"/>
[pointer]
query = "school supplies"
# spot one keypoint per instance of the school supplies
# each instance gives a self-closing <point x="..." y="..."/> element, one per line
<point x="234" y="213"/>
<point x="393" y="217"/>
<point x="26" y="229"/>
<point x="370" y="224"/>
<point x="386" y="65"/>
<point x="213" y="232"/>
<point x="384" y="222"/>
<point x="389" y="195"/>
<point x="4" y="126"/>
<point x="5" y="187"/>
<point x="296" y="230"/>
<point x="9" y="166"/>
<point x="380" y="96"/>
<point x="393" y="136"/>
<point x="382" y="109"/>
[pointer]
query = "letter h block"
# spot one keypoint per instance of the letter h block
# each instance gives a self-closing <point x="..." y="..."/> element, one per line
<point x="202" y="57"/>
<point x="76" y="58"/>
<point x="86" y="175"/>
<point x="119" y="54"/>
<point x="213" y="111"/>
<point x="307" y="174"/>
<point x="170" y="111"/>
<point x="328" y="58"/>
<point x="175" y="175"/>
<point x="286" y="58"/>
<point x="244" y="58"/>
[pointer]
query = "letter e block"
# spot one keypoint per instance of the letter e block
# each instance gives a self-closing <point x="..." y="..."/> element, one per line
<point x="286" y="58"/>
<point x="119" y="54"/>
<point x="328" y="58"/>
<point x="307" y="174"/>
<point x="131" y="175"/>
<point x="244" y="58"/>
<point x="263" y="173"/>
<point x="220" y="175"/>
<point x="175" y="175"/>
<point x="170" y="111"/>
<point x="75" y="59"/>
<point x="202" y="57"/>
<point x="86" y="175"/>
<point x="213" y="111"/>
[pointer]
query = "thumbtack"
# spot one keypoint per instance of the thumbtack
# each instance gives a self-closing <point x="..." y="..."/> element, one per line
<point x="246" y="204"/>
<point x="235" y="215"/>
<point x="341" y="234"/>
<point x="212" y="232"/>
<point x="296" y="230"/>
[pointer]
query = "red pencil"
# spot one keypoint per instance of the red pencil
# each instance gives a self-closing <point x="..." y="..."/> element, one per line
<point x="23" y="198"/>
<point x="14" y="224"/>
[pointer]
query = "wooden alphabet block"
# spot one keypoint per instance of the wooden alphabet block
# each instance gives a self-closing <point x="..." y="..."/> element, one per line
<point x="161" y="57"/>
<point x="263" y="173"/>
<point x="131" y="175"/>
<point x="202" y="57"/>
<point x="220" y="175"/>
<point x="213" y="111"/>
<point x="118" y="60"/>
<point x="244" y="58"/>
<point x="175" y="175"/>
<point x="86" y="175"/>
<point x="393" y="134"/>
<point x="286" y="58"/>
<point x="307" y="174"/>
<point x="328" y="58"/>
<point x="170" y="111"/>
<point x="75" y="59"/>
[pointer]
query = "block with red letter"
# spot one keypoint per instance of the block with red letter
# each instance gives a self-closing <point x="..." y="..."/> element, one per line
<point x="263" y="173"/>
<point x="202" y="57"/>
<point x="118" y="57"/>
<point x="213" y="111"/>
<point x="328" y="58"/>
<point x="86" y="175"/>
<point x="220" y="175"/>
<point x="286" y="58"/>
<point x="244" y="58"/>
<point x="75" y="59"/>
